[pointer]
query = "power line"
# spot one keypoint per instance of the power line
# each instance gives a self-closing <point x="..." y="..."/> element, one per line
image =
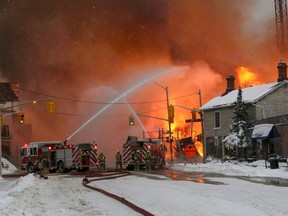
<point x="71" y="114"/>
<point x="98" y="102"/>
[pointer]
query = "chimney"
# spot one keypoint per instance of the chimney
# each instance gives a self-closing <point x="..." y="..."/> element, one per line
<point x="230" y="83"/>
<point x="282" y="71"/>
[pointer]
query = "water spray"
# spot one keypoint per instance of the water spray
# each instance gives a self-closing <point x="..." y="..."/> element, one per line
<point x="124" y="94"/>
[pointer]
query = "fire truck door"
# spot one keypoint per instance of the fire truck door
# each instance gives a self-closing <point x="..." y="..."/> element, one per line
<point x="44" y="159"/>
<point x="52" y="158"/>
<point x="69" y="157"/>
<point x="64" y="155"/>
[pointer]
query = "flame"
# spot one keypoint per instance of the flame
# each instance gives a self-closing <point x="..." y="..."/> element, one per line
<point x="246" y="77"/>
<point x="199" y="147"/>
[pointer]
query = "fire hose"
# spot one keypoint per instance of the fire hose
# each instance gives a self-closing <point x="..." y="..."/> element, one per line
<point x="85" y="183"/>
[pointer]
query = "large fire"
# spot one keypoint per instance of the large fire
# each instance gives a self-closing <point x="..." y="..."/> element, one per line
<point x="246" y="77"/>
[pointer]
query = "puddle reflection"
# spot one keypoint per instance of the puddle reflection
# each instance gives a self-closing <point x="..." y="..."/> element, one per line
<point x="201" y="178"/>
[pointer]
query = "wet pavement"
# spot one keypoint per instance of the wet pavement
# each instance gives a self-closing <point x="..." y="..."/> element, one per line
<point x="207" y="178"/>
<point x="177" y="175"/>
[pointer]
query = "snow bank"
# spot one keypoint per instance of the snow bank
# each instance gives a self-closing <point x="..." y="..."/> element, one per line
<point x="10" y="167"/>
<point x="256" y="168"/>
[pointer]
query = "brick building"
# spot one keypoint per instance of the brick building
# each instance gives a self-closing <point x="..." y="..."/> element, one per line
<point x="13" y="134"/>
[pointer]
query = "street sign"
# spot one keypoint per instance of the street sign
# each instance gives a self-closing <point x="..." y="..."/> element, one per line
<point x="190" y="151"/>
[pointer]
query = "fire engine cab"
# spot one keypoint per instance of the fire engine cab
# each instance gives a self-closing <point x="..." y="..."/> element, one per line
<point x="156" y="147"/>
<point x="54" y="155"/>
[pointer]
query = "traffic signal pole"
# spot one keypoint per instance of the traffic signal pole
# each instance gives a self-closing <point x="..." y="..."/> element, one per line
<point x="169" y="125"/>
<point x="202" y="128"/>
<point x="169" y="122"/>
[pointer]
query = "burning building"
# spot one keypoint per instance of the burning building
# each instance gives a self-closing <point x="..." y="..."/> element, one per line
<point x="266" y="104"/>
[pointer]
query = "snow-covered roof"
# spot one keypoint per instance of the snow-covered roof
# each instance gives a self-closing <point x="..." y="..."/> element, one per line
<point x="249" y="95"/>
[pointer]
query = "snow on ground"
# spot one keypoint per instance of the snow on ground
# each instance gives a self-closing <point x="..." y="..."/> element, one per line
<point x="65" y="195"/>
<point x="256" y="169"/>
<point x="9" y="168"/>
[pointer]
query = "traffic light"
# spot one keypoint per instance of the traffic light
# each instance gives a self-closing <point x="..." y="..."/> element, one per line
<point x="1" y="120"/>
<point x="171" y="113"/>
<point x="21" y="118"/>
<point x="131" y="120"/>
<point x="168" y="140"/>
<point x="51" y="107"/>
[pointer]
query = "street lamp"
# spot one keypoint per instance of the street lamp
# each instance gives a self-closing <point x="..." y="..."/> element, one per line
<point x="169" y="123"/>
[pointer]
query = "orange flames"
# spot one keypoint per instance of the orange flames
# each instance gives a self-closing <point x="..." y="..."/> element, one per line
<point x="246" y="77"/>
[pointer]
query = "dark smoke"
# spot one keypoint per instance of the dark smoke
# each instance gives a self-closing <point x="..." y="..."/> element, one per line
<point x="56" y="40"/>
<point x="70" y="47"/>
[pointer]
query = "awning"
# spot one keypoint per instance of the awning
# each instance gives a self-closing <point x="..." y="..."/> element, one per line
<point x="265" y="131"/>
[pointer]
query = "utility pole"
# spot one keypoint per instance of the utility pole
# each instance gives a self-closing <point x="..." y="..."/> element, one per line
<point x="202" y="126"/>
<point x="169" y="123"/>
<point x="197" y="120"/>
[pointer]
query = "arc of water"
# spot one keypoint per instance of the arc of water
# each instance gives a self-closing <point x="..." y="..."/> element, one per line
<point x="138" y="119"/>
<point x="124" y="94"/>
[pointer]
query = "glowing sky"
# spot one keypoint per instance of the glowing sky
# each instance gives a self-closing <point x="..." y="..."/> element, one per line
<point x="95" y="50"/>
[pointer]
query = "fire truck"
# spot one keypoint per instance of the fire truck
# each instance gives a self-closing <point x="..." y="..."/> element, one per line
<point x="54" y="155"/>
<point x="156" y="147"/>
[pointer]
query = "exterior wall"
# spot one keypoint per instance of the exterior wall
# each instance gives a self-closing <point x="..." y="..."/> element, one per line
<point x="19" y="134"/>
<point x="272" y="105"/>
<point x="283" y="130"/>
<point x="213" y="136"/>
<point x="281" y="123"/>
<point x="226" y="115"/>
<point x="276" y="103"/>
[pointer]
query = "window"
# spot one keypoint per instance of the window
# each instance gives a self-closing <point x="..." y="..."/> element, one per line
<point x="217" y="120"/>
<point x="33" y="151"/>
<point x="23" y="152"/>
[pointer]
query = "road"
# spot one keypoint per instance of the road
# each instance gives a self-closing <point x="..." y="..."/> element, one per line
<point x="175" y="193"/>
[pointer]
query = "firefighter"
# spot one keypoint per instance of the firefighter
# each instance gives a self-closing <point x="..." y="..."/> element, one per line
<point x="119" y="160"/>
<point x="148" y="161"/>
<point x="137" y="160"/>
<point x="101" y="159"/>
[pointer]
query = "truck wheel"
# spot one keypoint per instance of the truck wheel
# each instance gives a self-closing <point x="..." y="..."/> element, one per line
<point x="30" y="168"/>
<point x="61" y="167"/>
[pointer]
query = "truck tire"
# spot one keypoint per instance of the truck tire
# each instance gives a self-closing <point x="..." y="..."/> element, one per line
<point x="30" y="168"/>
<point x="61" y="167"/>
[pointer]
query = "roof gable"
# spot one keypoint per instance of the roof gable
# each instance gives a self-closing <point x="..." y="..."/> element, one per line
<point x="249" y="95"/>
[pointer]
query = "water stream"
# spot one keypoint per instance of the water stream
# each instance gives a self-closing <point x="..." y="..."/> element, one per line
<point x="126" y="93"/>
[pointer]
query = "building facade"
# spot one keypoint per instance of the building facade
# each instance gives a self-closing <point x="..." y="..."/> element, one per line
<point x="265" y="104"/>
<point x="13" y="133"/>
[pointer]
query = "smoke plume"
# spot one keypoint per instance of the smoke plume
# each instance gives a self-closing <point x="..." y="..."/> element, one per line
<point x="95" y="49"/>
